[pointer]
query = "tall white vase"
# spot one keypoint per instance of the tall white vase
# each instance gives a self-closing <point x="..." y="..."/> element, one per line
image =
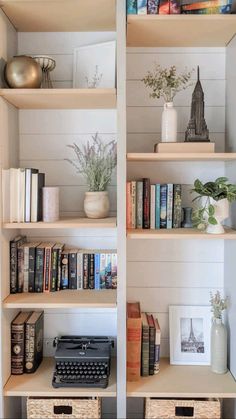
<point x="169" y="123"/>
<point x="218" y="347"/>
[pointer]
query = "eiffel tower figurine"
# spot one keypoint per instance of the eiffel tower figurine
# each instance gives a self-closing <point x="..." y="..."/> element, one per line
<point x="191" y="335"/>
<point x="197" y="130"/>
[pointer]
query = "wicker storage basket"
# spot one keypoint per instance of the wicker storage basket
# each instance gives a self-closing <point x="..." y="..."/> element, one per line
<point x="73" y="408"/>
<point x="170" y="409"/>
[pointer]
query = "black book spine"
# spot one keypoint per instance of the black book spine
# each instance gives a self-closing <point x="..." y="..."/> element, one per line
<point x="13" y="267"/>
<point x="64" y="271"/>
<point x="32" y="251"/>
<point x="59" y="268"/>
<point x="151" y="350"/>
<point x="146" y="203"/>
<point x="39" y="270"/>
<point x="73" y="271"/>
<point x="85" y="271"/>
<point x="54" y="269"/>
<point x="17" y="348"/>
<point x="91" y="271"/>
<point x="47" y="269"/>
<point x="41" y="184"/>
<point x="33" y="345"/>
<point x="20" y="263"/>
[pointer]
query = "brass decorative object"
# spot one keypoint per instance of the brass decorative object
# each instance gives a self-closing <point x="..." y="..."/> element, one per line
<point x="47" y="65"/>
<point x="22" y="72"/>
<point x="197" y="130"/>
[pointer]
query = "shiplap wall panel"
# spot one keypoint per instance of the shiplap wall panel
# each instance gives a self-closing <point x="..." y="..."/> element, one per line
<point x="178" y="271"/>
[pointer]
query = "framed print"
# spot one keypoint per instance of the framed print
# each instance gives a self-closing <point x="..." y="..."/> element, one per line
<point x="190" y="328"/>
<point x="95" y="66"/>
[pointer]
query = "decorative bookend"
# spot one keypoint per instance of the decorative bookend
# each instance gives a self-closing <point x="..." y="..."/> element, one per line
<point x="197" y="130"/>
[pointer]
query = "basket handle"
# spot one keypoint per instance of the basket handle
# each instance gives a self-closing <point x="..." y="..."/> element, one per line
<point x="184" y="411"/>
<point x="62" y="410"/>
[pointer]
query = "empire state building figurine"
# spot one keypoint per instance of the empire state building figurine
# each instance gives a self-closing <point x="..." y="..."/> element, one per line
<point x="197" y="130"/>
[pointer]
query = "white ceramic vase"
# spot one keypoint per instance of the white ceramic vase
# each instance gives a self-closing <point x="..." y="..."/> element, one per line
<point x="221" y="213"/>
<point x="169" y="123"/>
<point x="96" y="204"/>
<point x="218" y="347"/>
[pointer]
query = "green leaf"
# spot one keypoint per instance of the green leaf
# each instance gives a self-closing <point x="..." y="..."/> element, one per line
<point x="212" y="221"/>
<point x="222" y="179"/>
<point x="211" y="210"/>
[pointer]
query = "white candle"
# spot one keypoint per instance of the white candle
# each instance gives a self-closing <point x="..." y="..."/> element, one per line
<point x="50" y="204"/>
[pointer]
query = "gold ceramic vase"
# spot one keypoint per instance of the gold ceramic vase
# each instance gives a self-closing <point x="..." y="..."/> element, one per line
<point x="23" y="72"/>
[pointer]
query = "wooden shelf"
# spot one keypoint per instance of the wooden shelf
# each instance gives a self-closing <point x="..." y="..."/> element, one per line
<point x="179" y="233"/>
<point x="60" y="15"/>
<point x="180" y="30"/>
<point x="152" y="157"/>
<point x="63" y="299"/>
<point x="184" y="381"/>
<point x="60" y="98"/>
<point x="66" y="223"/>
<point x="39" y="384"/>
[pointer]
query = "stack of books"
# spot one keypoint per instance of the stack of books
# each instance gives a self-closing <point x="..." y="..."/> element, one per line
<point x="206" y="7"/>
<point x="22" y="195"/>
<point x="26" y="342"/>
<point x="153" y="206"/>
<point x="143" y="343"/>
<point x="49" y="267"/>
<point x="153" y="7"/>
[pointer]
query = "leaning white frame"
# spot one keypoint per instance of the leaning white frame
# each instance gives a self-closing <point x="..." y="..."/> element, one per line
<point x="90" y="48"/>
<point x="181" y="358"/>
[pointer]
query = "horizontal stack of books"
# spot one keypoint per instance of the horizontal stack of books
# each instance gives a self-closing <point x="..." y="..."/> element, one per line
<point x="153" y="7"/>
<point x="153" y="206"/>
<point x="143" y="7"/>
<point x="49" y="267"/>
<point x="22" y="195"/>
<point x="206" y="7"/>
<point x="143" y="343"/>
<point x="26" y="342"/>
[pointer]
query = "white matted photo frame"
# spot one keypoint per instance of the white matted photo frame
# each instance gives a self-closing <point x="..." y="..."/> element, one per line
<point x="190" y="329"/>
<point x="95" y="66"/>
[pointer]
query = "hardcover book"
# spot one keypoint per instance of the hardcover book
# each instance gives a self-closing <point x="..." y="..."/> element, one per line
<point x="38" y="182"/>
<point x="128" y="206"/>
<point x="32" y="265"/>
<point x="133" y="204"/>
<point x="103" y="270"/>
<point x="169" y="205"/>
<point x="18" y="342"/>
<point x="47" y="278"/>
<point x="85" y="271"/>
<point x="26" y="268"/>
<point x="28" y="192"/>
<point x="97" y="271"/>
<point x="80" y="270"/>
<point x="14" y="244"/>
<point x="39" y="269"/>
<point x="152" y="7"/>
<point x="145" y="346"/>
<point x="72" y="261"/>
<point x="134" y="336"/>
<point x="157" y="346"/>
<point x="146" y="203"/>
<point x="131" y="7"/>
<point x="151" y="343"/>
<point x="59" y="248"/>
<point x="20" y="269"/>
<point x="64" y="271"/>
<point x="153" y="207"/>
<point x="33" y="342"/>
<point x="91" y="271"/>
<point x="177" y="206"/>
<point x="142" y="7"/>
<point x="163" y="208"/>
<point x="158" y="206"/>
<point x="114" y="270"/>
<point x="108" y="279"/>
<point x="139" y="204"/>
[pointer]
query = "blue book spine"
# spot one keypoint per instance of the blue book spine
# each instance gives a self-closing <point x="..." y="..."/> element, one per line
<point x="97" y="271"/>
<point x="169" y="205"/>
<point x="142" y="7"/>
<point x="131" y="7"/>
<point x="163" y="210"/>
<point x="158" y="205"/>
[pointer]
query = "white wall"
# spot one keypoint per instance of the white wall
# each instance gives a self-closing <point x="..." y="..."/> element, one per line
<point x="173" y="272"/>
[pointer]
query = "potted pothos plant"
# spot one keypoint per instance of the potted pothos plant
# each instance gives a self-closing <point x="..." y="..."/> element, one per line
<point x="213" y="199"/>
<point x="95" y="161"/>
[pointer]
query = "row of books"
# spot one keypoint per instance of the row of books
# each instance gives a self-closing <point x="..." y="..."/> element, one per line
<point x="142" y="7"/>
<point x="153" y="206"/>
<point x="49" y="267"/>
<point x="22" y="195"/>
<point x="143" y="343"/>
<point x="26" y="342"/>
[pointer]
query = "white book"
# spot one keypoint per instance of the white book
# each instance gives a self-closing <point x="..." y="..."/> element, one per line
<point x="22" y="195"/>
<point x="80" y="270"/>
<point x="153" y="207"/>
<point x="34" y="198"/>
<point x="14" y="195"/>
<point x="26" y="268"/>
<point x="6" y="195"/>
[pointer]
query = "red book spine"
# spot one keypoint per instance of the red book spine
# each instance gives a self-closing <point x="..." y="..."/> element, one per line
<point x="146" y="203"/>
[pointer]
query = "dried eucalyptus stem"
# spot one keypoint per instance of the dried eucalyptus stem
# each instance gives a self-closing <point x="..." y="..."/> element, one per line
<point x="218" y="305"/>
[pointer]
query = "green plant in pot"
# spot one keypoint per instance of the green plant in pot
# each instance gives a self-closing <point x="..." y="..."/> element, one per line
<point x="95" y="161"/>
<point x="213" y="199"/>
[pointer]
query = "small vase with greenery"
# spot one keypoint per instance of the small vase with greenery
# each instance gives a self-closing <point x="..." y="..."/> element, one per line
<point x="218" y="334"/>
<point x="95" y="162"/>
<point x="214" y="198"/>
<point x="166" y="83"/>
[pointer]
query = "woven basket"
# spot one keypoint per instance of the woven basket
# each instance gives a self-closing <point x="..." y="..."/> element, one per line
<point x="180" y="409"/>
<point x="48" y="408"/>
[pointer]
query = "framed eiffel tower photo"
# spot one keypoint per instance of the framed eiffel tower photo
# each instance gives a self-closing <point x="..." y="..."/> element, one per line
<point x="190" y="335"/>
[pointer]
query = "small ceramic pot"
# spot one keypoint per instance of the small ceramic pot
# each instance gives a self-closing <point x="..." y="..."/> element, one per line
<point x="50" y="204"/>
<point x="96" y="204"/>
<point x="169" y="123"/>
<point x="22" y="72"/>
<point x="221" y="213"/>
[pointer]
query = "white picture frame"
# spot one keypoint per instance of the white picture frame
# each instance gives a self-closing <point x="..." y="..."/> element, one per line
<point x="190" y="329"/>
<point x="91" y="58"/>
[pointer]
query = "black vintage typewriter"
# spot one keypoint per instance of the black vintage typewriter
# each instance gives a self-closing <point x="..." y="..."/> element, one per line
<point x="82" y="361"/>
